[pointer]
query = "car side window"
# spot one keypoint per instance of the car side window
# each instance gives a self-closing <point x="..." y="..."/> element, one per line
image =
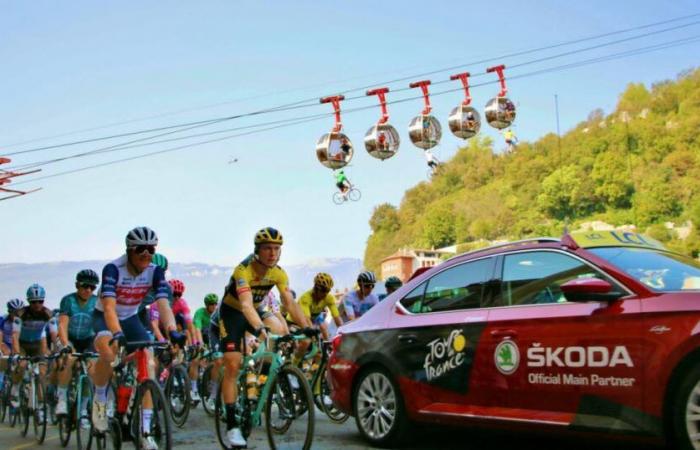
<point x="459" y="287"/>
<point x="536" y="277"/>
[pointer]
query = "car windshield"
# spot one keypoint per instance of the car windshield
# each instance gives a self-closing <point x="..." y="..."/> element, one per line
<point x="658" y="270"/>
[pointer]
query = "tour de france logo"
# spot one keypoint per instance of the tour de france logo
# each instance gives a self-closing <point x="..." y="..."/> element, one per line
<point x="506" y="357"/>
<point x="445" y="354"/>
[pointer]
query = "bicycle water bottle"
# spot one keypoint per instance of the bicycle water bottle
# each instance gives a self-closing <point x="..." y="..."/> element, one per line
<point x="251" y="381"/>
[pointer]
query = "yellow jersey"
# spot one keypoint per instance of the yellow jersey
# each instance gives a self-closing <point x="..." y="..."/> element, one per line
<point x="244" y="279"/>
<point x="312" y="309"/>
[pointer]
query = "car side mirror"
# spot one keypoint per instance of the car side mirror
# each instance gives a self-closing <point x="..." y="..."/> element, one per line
<point x="589" y="290"/>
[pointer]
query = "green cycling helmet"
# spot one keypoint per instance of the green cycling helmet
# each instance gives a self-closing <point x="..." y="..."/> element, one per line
<point x="160" y="261"/>
<point x="393" y="282"/>
<point x="211" y="299"/>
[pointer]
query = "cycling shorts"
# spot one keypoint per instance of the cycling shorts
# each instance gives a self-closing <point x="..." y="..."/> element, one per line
<point x="233" y="326"/>
<point x="132" y="327"/>
<point x="82" y="345"/>
<point x="30" y="348"/>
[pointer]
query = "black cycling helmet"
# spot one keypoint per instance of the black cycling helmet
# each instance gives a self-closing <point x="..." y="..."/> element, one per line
<point x="88" y="276"/>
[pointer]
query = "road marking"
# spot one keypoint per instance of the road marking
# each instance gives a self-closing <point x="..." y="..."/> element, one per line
<point x="32" y="444"/>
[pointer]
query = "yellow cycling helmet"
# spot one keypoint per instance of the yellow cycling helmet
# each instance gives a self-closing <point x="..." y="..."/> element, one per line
<point x="323" y="280"/>
<point x="268" y="235"/>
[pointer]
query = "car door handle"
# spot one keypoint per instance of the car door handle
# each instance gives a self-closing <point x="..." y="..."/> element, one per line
<point x="408" y="338"/>
<point x="503" y="333"/>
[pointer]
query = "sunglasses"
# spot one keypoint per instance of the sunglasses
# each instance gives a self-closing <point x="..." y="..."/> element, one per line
<point x="139" y="249"/>
<point x="87" y="286"/>
<point x="35" y="301"/>
<point x="371" y="286"/>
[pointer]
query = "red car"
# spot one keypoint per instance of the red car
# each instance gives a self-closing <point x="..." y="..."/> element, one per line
<point x="597" y="331"/>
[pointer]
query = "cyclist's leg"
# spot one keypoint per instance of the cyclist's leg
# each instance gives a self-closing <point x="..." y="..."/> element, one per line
<point x="101" y="370"/>
<point x="134" y="331"/>
<point x="232" y="326"/>
<point x="64" y="375"/>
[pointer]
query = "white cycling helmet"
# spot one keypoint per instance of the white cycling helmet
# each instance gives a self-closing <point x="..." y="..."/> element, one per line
<point x="141" y="236"/>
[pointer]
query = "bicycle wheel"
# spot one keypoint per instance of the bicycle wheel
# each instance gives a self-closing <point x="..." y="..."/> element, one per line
<point x="65" y="421"/>
<point x="83" y="423"/>
<point x="330" y="409"/>
<point x="51" y="401"/>
<point x="204" y="382"/>
<point x="40" y="416"/>
<point x="338" y="198"/>
<point x="111" y="439"/>
<point x="354" y="194"/>
<point x="14" y="412"/>
<point x="177" y="389"/>
<point x="289" y="411"/>
<point x="160" y="428"/>
<point x="4" y="399"/>
<point x="242" y="410"/>
<point x="25" y="412"/>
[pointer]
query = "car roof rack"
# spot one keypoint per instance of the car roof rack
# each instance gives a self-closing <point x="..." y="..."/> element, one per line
<point x="537" y="240"/>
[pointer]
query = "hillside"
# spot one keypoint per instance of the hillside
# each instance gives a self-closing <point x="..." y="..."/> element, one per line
<point x="638" y="165"/>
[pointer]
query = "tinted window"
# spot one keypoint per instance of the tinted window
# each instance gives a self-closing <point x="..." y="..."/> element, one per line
<point x="536" y="277"/>
<point x="459" y="287"/>
<point x="659" y="271"/>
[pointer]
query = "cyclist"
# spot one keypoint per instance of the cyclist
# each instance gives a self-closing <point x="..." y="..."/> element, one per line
<point x="8" y="323"/>
<point x="360" y="301"/>
<point x="431" y="160"/>
<point x="342" y="182"/>
<point x="215" y="345"/>
<point x="202" y="316"/>
<point x="75" y="331"/>
<point x="30" y="337"/>
<point x="391" y="284"/>
<point x="125" y="283"/>
<point x="181" y="309"/>
<point x="511" y="139"/>
<point x="239" y="312"/>
<point x="316" y="301"/>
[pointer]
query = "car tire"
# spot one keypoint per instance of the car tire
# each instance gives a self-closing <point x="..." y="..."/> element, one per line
<point x="685" y="412"/>
<point x="379" y="409"/>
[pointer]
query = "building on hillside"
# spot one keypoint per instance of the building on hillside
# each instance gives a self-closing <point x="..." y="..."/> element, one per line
<point x="406" y="260"/>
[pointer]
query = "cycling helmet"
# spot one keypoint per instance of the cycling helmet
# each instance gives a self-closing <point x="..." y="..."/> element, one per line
<point x="160" y="261"/>
<point x="393" y="282"/>
<point x="141" y="236"/>
<point x="14" y="305"/>
<point x="366" y="278"/>
<point x="177" y="286"/>
<point x="268" y="235"/>
<point x="88" y="276"/>
<point x="211" y="299"/>
<point x="36" y="293"/>
<point x="323" y="280"/>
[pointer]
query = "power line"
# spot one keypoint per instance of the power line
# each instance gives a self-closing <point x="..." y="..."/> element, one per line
<point x="296" y="121"/>
<point x="313" y="101"/>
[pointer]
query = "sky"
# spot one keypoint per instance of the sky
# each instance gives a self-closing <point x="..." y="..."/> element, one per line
<point x="69" y="66"/>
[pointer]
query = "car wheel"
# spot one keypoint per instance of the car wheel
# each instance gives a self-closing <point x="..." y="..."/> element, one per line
<point x="379" y="410"/>
<point x="686" y="412"/>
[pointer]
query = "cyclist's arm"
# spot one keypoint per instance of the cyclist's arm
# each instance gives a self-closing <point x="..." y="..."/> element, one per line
<point x="16" y="330"/>
<point x="63" y="329"/>
<point x="294" y="309"/>
<point x="3" y="348"/>
<point x="109" y="304"/>
<point x="331" y="302"/>
<point x="247" y="308"/>
<point x="166" y="315"/>
<point x="44" y="347"/>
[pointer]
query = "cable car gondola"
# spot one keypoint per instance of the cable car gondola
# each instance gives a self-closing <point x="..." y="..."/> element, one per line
<point x="500" y="110"/>
<point x="424" y="130"/>
<point x="382" y="140"/>
<point x="334" y="150"/>
<point x="464" y="120"/>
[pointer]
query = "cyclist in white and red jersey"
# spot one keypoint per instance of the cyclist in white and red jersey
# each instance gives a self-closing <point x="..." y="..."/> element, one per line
<point x="125" y="283"/>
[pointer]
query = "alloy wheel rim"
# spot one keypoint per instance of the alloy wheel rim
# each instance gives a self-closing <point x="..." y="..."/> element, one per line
<point x="376" y="405"/>
<point x="692" y="416"/>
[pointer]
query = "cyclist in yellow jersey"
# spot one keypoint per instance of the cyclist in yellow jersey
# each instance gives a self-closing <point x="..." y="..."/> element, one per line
<point x="317" y="300"/>
<point x="240" y="311"/>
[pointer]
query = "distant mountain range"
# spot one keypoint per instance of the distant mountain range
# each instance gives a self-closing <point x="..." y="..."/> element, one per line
<point x="199" y="278"/>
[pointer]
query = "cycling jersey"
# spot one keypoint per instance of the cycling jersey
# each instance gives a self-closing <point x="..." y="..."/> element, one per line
<point x="8" y="326"/>
<point x="354" y="307"/>
<point x="180" y="307"/>
<point x="202" y="319"/>
<point x="130" y="290"/>
<point x="313" y="309"/>
<point x="244" y="279"/>
<point x="80" y="316"/>
<point x="32" y="324"/>
<point x="150" y="298"/>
